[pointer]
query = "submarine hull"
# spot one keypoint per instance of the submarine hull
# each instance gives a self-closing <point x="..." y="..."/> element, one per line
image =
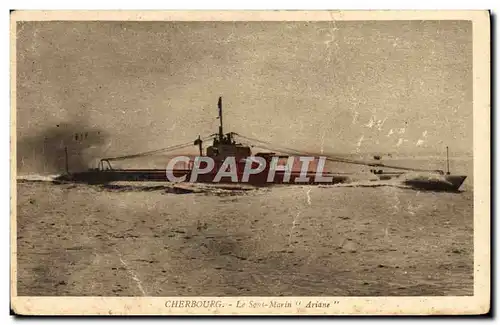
<point x="450" y="183"/>
<point x="444" y="183"/>
<point x="160" y="175"/>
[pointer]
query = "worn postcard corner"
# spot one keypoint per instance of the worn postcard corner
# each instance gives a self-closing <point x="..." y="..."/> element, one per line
<point x="250" y="162"/>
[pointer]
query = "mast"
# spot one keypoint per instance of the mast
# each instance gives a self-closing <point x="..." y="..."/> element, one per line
<point x="447" y="162"/>
<point x="221" y="133"/>
<point x="66" y="163"/>
<point x="199" y="142"/>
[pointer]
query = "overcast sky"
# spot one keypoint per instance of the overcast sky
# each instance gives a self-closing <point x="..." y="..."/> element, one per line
<point x="346" y="87"/>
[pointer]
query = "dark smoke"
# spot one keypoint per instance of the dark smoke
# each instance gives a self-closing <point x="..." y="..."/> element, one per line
<point x="44" y="153"/>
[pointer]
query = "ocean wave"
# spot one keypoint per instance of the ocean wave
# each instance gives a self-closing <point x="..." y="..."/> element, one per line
<point x="405" y="181"/>
<point x="371" y="183"/>
<point x="38" y="177"/>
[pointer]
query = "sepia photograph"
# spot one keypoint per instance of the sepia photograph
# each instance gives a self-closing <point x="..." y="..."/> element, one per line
<point x="259" y="162"/>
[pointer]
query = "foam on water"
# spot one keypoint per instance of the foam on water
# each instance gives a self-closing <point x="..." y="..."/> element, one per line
<point x="371" y="183"/>
<point x="364" y="180"/>
<point x="430" y="177"/>
<point x="38" y="177"/>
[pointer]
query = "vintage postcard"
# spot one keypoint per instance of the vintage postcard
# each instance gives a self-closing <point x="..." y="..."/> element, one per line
<point x="250" y="162"/>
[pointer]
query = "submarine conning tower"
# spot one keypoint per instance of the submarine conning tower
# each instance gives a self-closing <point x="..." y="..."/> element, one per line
<point x="224" y="145"/>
